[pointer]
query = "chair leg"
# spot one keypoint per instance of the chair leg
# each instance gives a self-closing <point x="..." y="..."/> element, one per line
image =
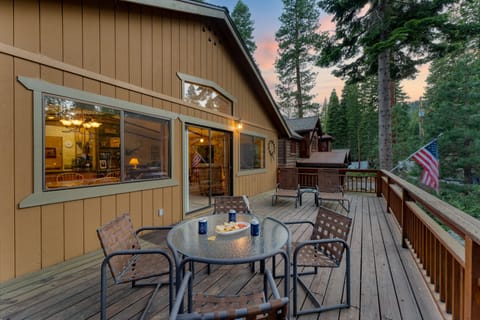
<point x="103" y="290"/>
<point x="149" y="303"/>
<point x="318" y="307"/>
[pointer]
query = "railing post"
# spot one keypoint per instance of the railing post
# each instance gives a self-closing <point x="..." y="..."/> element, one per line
<point x="472" y="277"/>
<point x="404" y="217"/>
<point x="387" y="196"/>
<point x="378" y="187"/>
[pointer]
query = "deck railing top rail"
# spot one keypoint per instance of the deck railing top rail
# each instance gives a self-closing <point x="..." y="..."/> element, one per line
<point x="460" y="222"/>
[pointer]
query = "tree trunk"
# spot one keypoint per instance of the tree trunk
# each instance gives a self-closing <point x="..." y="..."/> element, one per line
<point x="384" y="111"/>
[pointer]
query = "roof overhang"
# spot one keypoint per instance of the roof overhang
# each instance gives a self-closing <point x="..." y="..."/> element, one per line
<point x="221" y="14"/>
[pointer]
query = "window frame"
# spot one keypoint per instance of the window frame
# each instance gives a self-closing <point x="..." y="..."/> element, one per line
<point x="210" y="84"/>
<point x="253" y="170"/>
<point x="41" y="197"/>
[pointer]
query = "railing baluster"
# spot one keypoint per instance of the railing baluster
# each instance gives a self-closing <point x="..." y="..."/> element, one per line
<point x="472" y="276"/>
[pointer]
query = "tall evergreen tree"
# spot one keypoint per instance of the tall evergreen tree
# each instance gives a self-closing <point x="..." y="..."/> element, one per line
<point x="333" y="114"/>
<point x="296" y="41"/>
<point x="453" y="108"/>
<point x="243" y="21"/>
<point x="351" y="100"/>
<point x="387" y="38"/>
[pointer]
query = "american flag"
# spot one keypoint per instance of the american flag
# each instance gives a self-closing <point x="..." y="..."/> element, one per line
<point x="427" y="158"/>
<point x="197" y="158"/>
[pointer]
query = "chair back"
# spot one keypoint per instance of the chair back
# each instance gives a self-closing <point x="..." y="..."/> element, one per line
<point x="69" y="176"/>
<point x="118" y="235"/>
<point x="329" y="181"/>
<point x="287" y="178"/>
<point x="328" y="225"/>
<point x="223" y="204"/>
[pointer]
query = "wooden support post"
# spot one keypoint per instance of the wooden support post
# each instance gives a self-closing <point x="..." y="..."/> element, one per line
<point x="388" y="194"/>
<point x="404" y="217"/>
<point x="472" y="277"/>
<point x="378" y="186"/>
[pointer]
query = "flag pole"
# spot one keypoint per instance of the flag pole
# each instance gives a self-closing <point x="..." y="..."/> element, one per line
<point x="417" y="151"/>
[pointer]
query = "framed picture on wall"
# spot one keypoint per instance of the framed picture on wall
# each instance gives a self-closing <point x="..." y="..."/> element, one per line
<point x="102" y="164"/>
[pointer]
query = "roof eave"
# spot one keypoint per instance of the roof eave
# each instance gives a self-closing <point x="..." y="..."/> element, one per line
<point x="217" y="12"/>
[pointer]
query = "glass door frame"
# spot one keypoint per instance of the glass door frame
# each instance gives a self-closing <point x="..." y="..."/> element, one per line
<point x="187" y="207"/>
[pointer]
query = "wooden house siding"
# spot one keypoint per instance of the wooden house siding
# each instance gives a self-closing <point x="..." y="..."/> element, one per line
<point x="118" y="50"/>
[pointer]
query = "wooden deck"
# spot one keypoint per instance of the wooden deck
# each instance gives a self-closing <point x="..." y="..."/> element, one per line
<point x="386" y="283"/>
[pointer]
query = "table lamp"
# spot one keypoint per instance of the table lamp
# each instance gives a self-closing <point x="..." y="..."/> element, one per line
<point x="134" y="162"/>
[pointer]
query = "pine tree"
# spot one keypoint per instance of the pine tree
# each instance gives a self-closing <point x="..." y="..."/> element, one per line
<point x="351" y="100"/>
<point x="388" y="38"/>
<point x="242" y="18"/>
<point x="333" y="114"/>
<point x="296" y="41"/>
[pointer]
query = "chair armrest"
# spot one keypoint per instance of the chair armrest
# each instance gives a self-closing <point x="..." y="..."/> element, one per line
<point x="153" y="228"/>
<point x="320" y="241"/>
<point x="137" y="252"/>
<point x="299" y="222"/>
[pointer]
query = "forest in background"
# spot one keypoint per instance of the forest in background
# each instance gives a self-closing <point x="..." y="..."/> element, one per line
<point x="444" y="33"/>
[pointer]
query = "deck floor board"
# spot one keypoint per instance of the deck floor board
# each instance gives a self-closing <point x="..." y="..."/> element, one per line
<point x="385" y="282"/>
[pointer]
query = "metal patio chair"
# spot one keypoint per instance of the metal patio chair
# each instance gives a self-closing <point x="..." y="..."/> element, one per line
<point x="249" y="306"/>
<point x="128" y="262"/>
<point x="222" y="204"/>
<point x="324" y="249"/>
<point x="330" y="189"/>
<point x="287" y="185"/>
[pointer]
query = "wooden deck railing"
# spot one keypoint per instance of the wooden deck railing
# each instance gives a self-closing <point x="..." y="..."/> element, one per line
<point x="451" y="264"/>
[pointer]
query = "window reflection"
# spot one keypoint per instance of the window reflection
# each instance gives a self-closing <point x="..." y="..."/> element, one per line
<point x="206" y="97"/>
<point x="83" y="144"/>
<point x="252" y="152"/>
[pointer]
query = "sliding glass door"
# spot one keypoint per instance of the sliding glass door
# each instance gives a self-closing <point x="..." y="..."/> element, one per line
<point x="209" y="165"/>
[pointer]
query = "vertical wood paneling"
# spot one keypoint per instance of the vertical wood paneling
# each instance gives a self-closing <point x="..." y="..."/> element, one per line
<point x="147" y="208"/>
<point x="108" y="209"/>
<point x="6" y="22"/>
<point x="26" y="25"/>
<point x="157" y="53"/>
<point x="175" y="90"/>
<point x="107" y="39"/>
<point x="28" y="257"/>
<point x="122" y="203"/>
<point x="157" y="204"/>
<point x="91" y="35"/>
<point x="7" y="196"/>
<point x="51" y="75"/>
<point x="27" y="222"/>
<point x="91" y="218"/>
<point x="147" y="49"/>
<point x="135" y="209"/>
<point x="51" y="43"/>
<point x="72" y="33"/>
<point x="167" y="54"/>
<point x="167" y="206"/>
<point x="135" y="46"/>
<point x="74" y="229"/>
<point x="121" y="42"/>
<point x="177" y="204"/>
<point x="52" y="235"/>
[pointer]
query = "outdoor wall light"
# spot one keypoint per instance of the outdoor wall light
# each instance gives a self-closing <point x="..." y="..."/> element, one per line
<point x="239" y="124"/>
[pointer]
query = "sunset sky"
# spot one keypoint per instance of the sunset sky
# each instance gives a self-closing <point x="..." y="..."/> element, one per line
<point x="265" y="14"/>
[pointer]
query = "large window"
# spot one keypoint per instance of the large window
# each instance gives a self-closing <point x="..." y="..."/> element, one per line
<point x="89" y="144"/>
<point x="252" y="152"/>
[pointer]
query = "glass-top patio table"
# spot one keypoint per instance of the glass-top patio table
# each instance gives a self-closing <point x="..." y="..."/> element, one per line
<point x="228" y="249"/>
